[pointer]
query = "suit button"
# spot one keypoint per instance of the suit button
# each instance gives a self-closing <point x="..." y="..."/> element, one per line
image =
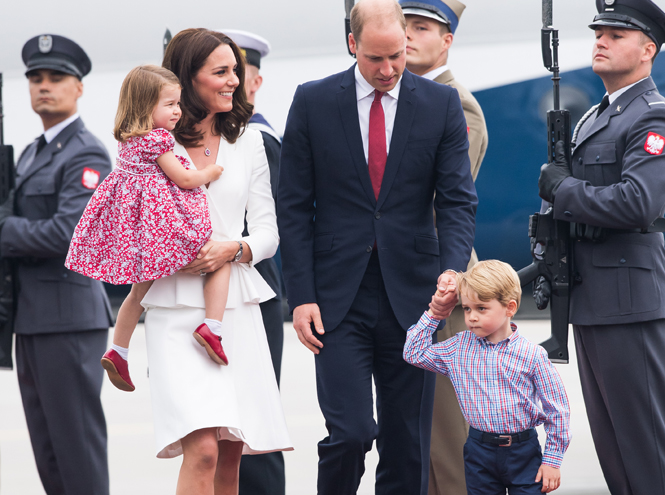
<point x="597" y="158"/>
<point x="580" y="160"/>
<point x="369" y="249"/>
<point x="568" y="214"/>
<point x="65" y="275"/>
<point x="377" y="215"/>
<point x="622" y="260"/>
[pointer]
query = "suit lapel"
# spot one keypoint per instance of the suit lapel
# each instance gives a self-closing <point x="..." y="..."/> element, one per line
<point x="406" y="110"/>
<point x="52" y="148"/>
<point x="615" y="108"/>
<point x="348" y="109"/>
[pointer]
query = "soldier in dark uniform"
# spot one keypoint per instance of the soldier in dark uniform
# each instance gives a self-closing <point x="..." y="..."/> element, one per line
<point x="264" y="474"/>
<point x="617" y="188"/>
<point x="62" y="318"/>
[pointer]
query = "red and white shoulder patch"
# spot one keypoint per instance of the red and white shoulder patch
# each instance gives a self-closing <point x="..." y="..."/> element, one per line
<point x="654" y="143"/>
<point x="90" y="178"/>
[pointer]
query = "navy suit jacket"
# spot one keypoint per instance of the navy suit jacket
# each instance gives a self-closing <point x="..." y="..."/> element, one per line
<point x="329" y="218"/>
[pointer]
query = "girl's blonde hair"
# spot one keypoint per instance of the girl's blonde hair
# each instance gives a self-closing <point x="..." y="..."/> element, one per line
<point x="138" y="97"/>
<point x="491" y="279"/>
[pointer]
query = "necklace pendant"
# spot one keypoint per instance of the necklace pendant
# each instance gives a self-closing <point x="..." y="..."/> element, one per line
<point x="207" y="152"/>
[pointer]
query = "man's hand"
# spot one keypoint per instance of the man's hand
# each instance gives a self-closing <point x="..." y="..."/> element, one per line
<point x="303" y="317"/>
<point x="553" y="174"/>
<point x="542" y="291"/>
<point x="445" y="298"/>
<point x="551" y="477"/>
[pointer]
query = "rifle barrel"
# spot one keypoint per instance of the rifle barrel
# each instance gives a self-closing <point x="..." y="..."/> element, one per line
<point x="547" y="14"/>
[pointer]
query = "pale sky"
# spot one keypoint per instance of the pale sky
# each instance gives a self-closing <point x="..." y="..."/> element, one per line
<point x="122" y="33"/>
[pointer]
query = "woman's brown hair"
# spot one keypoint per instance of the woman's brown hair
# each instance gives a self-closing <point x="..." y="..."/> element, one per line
<point x="185" y="54"/>
<point x="139" y="95"/>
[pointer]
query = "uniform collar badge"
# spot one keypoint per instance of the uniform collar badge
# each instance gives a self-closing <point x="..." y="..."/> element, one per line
<point x="45" y="43"/>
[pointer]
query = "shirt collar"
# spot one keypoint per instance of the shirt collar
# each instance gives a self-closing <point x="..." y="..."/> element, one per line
<point x="364" y="89"/>
<point x="619" y="92"/>
<point x="51" y="133"/>
<point x="434" y="73"/>
<point x="512" y="338"/>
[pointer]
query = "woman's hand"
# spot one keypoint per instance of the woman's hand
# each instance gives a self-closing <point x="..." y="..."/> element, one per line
<point x="212" y="256"/>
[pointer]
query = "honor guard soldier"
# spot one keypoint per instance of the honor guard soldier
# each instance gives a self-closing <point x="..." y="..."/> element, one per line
<point x="264" y="474"/>
<point x="430" y="28"/>
<point x="612" y="191"/>
<point x="62" y="318"/>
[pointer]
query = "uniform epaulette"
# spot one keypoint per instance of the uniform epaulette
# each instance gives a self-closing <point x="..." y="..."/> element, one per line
<point x="653" y="98"/>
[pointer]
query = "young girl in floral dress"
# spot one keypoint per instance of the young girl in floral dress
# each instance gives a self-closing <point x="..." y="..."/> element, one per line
<point x="149" y="217"/>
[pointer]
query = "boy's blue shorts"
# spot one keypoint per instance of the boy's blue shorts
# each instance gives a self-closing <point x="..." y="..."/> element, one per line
<point x="490" y="469"/>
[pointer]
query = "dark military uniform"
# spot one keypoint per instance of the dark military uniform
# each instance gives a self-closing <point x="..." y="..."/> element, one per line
<point x="62" y="318"/>
<point x="617" y="305"/>
<point x="618" y="308"/>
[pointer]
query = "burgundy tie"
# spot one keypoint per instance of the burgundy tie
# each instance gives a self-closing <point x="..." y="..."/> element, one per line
<point x="377" y="154"/>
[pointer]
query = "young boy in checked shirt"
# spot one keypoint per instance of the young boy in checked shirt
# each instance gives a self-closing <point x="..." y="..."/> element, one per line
<point x="505" y="384"/>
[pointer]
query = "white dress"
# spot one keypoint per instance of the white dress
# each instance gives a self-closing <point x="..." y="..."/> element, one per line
<point x="189" y="391"/>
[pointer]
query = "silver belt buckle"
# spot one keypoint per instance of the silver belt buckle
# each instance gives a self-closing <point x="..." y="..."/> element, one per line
<point x="510" y="440"/>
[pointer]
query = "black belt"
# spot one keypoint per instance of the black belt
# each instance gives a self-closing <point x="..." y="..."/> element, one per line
<point x="501" y="440"/>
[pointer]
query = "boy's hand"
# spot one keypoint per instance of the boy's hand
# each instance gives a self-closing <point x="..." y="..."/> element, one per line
<point x="445" y="298"/>
<point x="551" y="477"/>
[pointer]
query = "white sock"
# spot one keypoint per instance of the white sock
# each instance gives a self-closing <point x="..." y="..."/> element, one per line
<point x="122" y="351"/>
<point x="215" y="326"/>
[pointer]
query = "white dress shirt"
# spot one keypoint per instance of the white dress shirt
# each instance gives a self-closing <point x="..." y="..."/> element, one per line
<point x="434" y="73"/>
<point x="51" y="133"/>
<point x="365" y="95"/>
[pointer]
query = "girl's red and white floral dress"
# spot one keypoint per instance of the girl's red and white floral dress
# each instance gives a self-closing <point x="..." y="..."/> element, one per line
<point x="139" y="225"/>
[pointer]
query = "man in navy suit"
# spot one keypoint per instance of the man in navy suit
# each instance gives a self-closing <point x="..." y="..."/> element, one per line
<point x="364" y="153"/>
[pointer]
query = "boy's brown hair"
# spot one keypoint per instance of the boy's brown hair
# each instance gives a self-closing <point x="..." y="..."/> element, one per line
<point x="491" y="279"/>
<point x="139" y="95"/>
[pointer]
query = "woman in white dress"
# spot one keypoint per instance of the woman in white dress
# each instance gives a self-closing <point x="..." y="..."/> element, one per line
<point x="209" y="413"/>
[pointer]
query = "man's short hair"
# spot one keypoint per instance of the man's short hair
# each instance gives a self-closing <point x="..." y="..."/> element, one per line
<point x="491" y="279"/>
<point x="359" y="16"/>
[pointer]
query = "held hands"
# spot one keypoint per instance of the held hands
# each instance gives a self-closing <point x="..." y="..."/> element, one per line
<point x="553" y="174"/>
<point x="445" y="298"/>
<point x="305" y="317"/>
<point x="551" y="477"/>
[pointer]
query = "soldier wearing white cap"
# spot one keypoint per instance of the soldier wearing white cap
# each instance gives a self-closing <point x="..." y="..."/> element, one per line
<point x="263" y="474"/>
<point x="430" y="28"/>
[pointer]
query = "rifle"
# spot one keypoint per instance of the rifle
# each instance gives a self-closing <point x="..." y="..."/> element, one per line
<point x="6" y="278"/>
<point x="551" y="248"/>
